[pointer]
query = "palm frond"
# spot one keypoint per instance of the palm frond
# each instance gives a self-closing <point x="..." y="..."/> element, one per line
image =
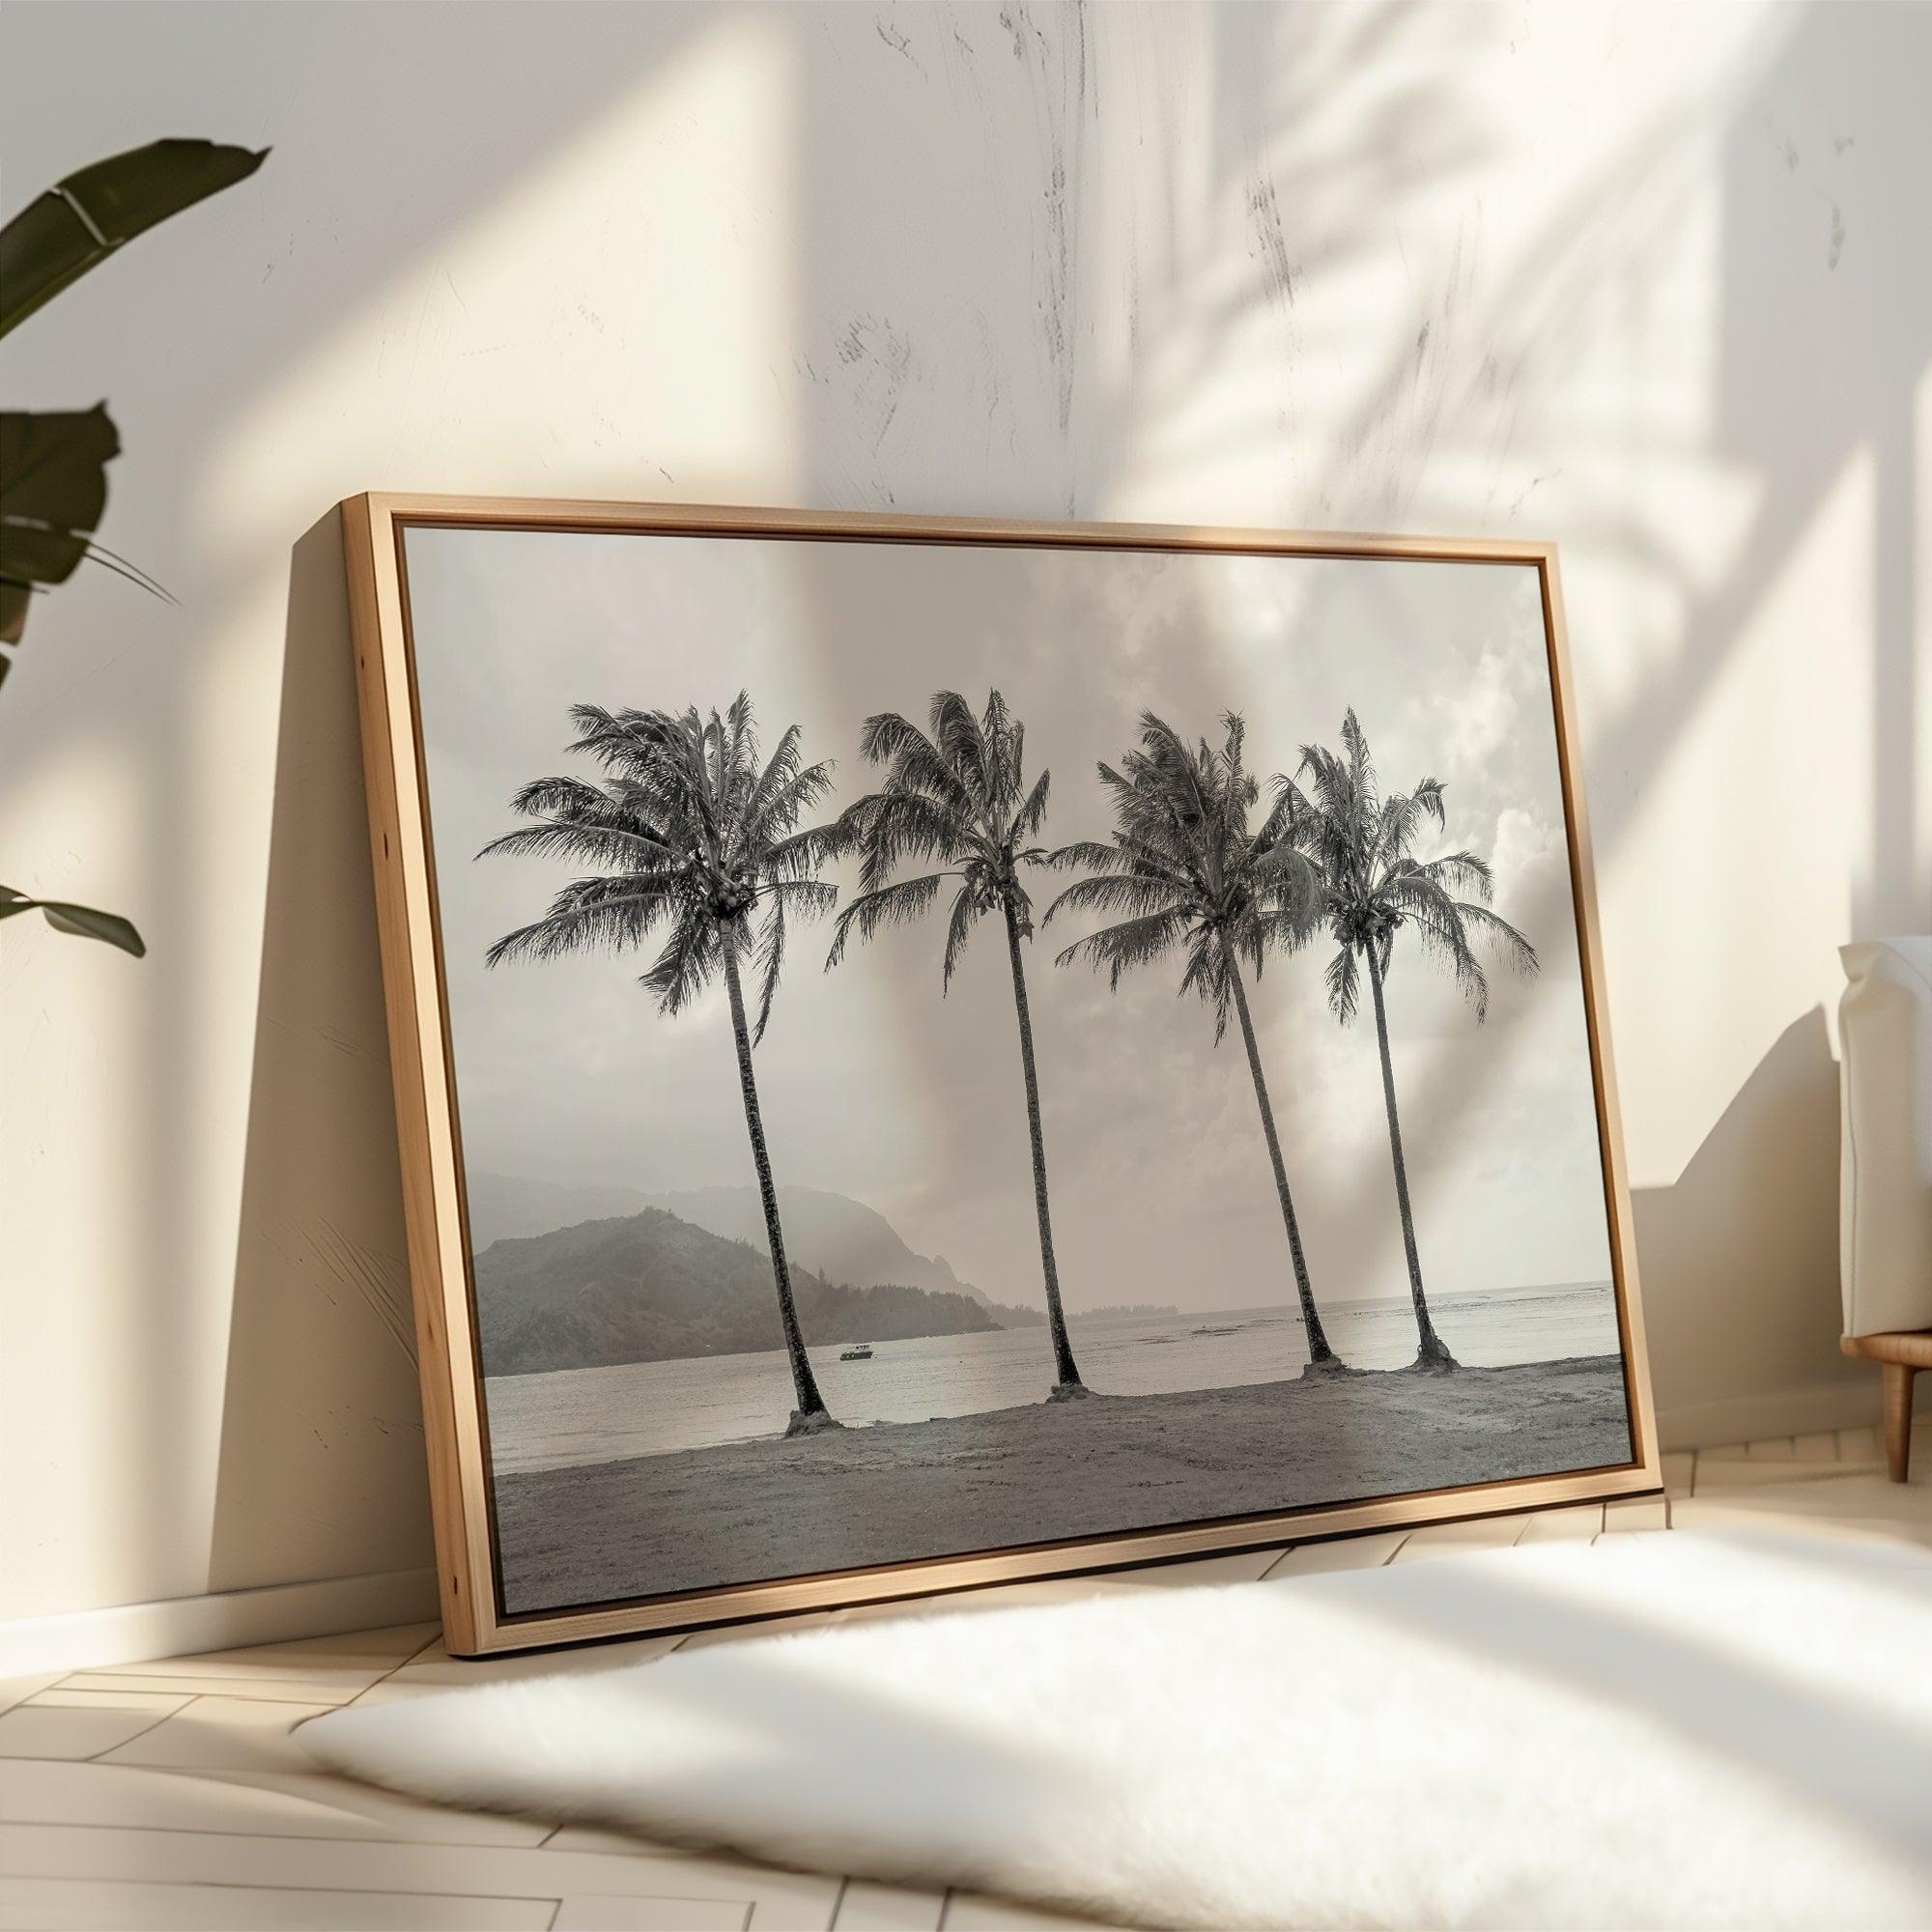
<point x="781" y="768"/>
<point x="912" y="760"/>
<point x="1342" y="983"/>
<point x="809" y="898"/>
<point x="1429" y="796"/>
<point x="1132" y="943"/>
<point x="800" y="792"/>
<point x="1090" y="852"/>
<point x="1493" y="930"/>
<point x="1463" y="872"/>
<point x="618" y="846"/>
<point x="889" y="905"/>
<point x="796" y="856"/>
<point x="967" y="906"/>
<point x="1005" y="744"/>
<point x="681" y="972"/>
<point x="1031" y="813"/>
<point x="569" y="798"/>
<point x="1361" y="767"/>
<point x="1131" y="893"/>
<point x="1210" y="975"/>
<point x="1333" y="808"/>
<point x="962" y="745"/>
<point x="1285" y="880"/>
<point x="1400" y="818"/>
<point x="1511" y="946"/>
<point x="1444" y="940"/>
<point x="658" y="759"/>
<point x="589" y="915"/>
<point x="768" y="956"/>
<point x="1276" y="829"/>
<point x="890" y="826"/>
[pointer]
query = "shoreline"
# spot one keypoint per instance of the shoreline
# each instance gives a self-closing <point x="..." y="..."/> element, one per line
<point x="896" y="1491"/>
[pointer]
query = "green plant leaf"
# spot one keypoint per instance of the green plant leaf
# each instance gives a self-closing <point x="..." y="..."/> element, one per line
<point x="81" y="220"/>
<point x="53" y="486"/>
<point x="14" y="600"/>
<point x="83" y="921"/>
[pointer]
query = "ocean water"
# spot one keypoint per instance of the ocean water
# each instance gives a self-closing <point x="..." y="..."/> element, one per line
<point x="649" y="1408"/>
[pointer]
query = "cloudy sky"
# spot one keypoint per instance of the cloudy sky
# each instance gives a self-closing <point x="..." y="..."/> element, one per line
<point x="873" y="1085"/>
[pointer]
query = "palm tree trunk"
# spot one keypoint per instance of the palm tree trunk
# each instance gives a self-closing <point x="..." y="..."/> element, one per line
<point x="1432" y="1351"/>
<point x="811" y="1414"/>
<point x="1319" y="1354"/>
<point x="1066" y="1375"/>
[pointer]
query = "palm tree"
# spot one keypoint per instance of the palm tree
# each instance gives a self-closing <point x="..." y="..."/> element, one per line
<point x="1188" y="872"/>
<point x="1371" y="888"/>
<point x="959" y="799"/>
<point x="691" y="835"/>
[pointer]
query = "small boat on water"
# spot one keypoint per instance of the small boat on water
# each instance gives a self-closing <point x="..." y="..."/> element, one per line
<point x="860" y="1352"/>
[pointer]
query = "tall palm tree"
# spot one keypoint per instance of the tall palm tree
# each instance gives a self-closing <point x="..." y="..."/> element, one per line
<point x="959" y="799"/>
<point x="1371" y="888"/>
<point x="695" y="837"/>
<point x="1189" y="873"/>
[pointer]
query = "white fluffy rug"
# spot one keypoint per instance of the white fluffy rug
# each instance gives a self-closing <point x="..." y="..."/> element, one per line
<point x="1668" y="1729"/>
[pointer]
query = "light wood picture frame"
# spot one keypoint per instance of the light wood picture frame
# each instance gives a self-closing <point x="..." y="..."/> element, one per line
<point x="461" y="607"/>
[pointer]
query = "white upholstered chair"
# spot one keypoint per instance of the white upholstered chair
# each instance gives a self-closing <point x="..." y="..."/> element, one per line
<point x="1884" y="1233"/>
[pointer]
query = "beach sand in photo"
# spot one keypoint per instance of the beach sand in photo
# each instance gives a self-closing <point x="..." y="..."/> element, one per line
<point x="895" y="1492"/>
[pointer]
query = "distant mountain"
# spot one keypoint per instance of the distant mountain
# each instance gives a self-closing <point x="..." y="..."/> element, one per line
<point x="832" y="1235"/>
<point x="502" y="1208"/>
<point x="653" y="1286"/>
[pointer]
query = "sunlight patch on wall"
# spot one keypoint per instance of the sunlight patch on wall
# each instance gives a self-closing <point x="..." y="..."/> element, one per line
<point x="1700" y="909"/>
<point x="611" y="326"/>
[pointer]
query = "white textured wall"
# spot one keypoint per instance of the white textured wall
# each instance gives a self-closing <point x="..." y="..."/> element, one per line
<point x="1651" y="282"/>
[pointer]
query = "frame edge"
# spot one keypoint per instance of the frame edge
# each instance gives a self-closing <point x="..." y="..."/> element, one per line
<point x="389" y="774"/>
<point x="1644" y="1446"/>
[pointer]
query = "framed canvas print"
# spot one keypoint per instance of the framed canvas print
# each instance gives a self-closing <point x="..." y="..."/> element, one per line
<point x="932" y="1051"/>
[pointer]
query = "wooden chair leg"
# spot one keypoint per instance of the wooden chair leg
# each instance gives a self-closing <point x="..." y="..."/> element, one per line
<point x="1897" y="1418"/>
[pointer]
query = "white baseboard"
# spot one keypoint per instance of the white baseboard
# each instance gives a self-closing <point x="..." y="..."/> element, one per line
<point x="1751" y="1418"/>
<point x="181" y="1626"/>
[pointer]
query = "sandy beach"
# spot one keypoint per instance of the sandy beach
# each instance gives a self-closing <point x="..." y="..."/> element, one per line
<point x="896" y="1491"/>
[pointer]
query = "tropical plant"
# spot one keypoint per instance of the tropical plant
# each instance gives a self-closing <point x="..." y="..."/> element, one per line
<point x="82" y="922"/>
<point x="53" y="464"/>
<point x="1186" y="871"/>
<point x="1371" y="888"/>
<point x="692" y="837"/>
<point x="959" y="799"/>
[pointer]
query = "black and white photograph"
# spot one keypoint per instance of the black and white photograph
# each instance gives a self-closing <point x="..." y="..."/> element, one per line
<point x="967" y="1046"/>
